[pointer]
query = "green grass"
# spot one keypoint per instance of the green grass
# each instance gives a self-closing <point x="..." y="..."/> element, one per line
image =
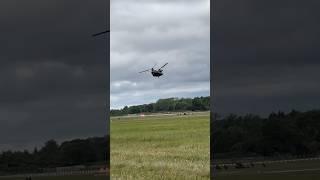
<point x="161" y="147"/>
<point x="307" y="170"/>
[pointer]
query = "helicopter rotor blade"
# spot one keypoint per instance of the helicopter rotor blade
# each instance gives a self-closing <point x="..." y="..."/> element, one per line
<point x="97" y="34"/>
<point x="144" y="71"/>
<point x="163" y="65"/>
<point x="154" y="65"/>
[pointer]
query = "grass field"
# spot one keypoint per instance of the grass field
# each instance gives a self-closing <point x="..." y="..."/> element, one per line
<point x="306" y="170"/>
<point x="160" y="147"/>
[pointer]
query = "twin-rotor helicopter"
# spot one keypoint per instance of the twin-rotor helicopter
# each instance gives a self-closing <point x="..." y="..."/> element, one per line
<point x="154" y="72"/>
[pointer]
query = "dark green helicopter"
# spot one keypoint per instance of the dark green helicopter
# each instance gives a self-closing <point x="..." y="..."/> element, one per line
<point x="154" y="72"/>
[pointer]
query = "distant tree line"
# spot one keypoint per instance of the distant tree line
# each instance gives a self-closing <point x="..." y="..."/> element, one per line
<point x="51" y="155"/>
<point x="281" y="134"/>
<point x="166" y="105"/>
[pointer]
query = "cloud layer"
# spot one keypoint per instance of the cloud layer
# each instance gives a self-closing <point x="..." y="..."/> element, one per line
<point x="145" y="33"/>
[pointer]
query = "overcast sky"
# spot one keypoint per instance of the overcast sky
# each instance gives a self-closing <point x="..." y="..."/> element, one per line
<point x="52" y="73"/>
<point x="266" y="56"/>
<point x="149" y="32"/>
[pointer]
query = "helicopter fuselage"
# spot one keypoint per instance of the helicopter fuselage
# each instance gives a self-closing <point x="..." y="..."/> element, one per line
<point x="156" y="73"/>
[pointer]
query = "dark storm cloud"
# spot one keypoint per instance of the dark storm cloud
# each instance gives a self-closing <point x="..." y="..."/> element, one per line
<point x="53" y="73"/>
<point x="266" y="55"/>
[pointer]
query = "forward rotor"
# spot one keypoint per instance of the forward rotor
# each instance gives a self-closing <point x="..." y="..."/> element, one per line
<point x="163" y="66"/>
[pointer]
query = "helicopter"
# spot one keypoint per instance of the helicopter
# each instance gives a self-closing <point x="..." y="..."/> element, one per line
<point x="154" y="72"/>
<point x="97" y="34"/>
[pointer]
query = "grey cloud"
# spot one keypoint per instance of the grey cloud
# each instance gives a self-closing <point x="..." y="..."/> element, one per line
<point x="148" y="32"/>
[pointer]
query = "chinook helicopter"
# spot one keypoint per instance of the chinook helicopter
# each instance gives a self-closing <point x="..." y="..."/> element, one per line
<point x="154" y="72"/>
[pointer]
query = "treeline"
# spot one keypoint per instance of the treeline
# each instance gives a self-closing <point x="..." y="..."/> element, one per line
<point x="166" y="105"/>
<point x="281" y="134"/>
<point x="51" y="155"/>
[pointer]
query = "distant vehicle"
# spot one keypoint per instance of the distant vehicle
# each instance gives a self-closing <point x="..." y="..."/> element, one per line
<point x="154" y="72"/>
<point x="97" y="34"/>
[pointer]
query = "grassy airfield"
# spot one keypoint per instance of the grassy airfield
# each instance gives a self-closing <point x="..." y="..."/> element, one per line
<point x="160" y="147"/>
<point x="177" y="147"/>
